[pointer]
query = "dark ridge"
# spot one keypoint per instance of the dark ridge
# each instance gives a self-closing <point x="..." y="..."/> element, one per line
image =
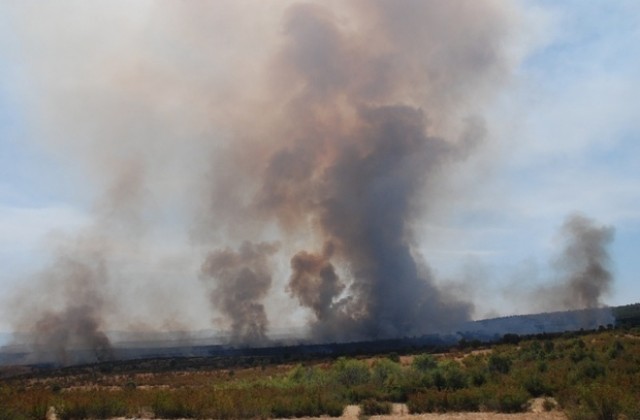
<point x="226" y="357"/>
<point x="627" y="316"/>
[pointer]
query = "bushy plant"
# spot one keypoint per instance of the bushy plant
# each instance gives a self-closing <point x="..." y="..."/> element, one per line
<point x="168" y="405"/>
<point x="424" y="363"/>
<point x="350" y="372"/>
<point x="509" y="400"/>
<point x="425" y="402"/>
<point x="465" y="400"/>
<point x="454" y="377"/>
<point x="371" y="407"/>
<point x="535" y="385"/>
<point x="499" y="363"/>
<point x="602" y="402"/>
<point x="385" y="372"/>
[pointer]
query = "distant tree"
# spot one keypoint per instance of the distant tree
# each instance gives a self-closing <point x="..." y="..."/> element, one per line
<point x="511" y="338"/>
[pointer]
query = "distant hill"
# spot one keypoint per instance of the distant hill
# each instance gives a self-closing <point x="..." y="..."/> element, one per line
<point x="550" y="322"/>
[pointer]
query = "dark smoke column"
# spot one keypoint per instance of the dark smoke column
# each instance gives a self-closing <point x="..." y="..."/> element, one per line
<point x="67" y="325"/>
<point x="357" y="161"/>
<point x="365" y="210"/>
<point x="585" y="262"/>
<point x="368" y="106"/>
<point x="241" y="279"/>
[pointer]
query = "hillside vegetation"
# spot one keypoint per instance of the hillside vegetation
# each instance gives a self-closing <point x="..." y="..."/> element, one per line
<point x="587" y="375"/>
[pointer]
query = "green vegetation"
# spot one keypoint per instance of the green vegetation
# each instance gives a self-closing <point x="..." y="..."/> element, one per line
<point x="627" y="316"/>
<point x="591" y="376"/>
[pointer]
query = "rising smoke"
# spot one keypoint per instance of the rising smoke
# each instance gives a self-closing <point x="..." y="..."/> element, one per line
<point x="242" y="279"/>
<point x="330" y="131"/>
<point x="366" y="125"/>
<point x="583" y="266"/>
<point x="65" y="312"/>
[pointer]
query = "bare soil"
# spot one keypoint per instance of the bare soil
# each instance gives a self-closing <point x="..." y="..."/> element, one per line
<point x="400" y="411"/>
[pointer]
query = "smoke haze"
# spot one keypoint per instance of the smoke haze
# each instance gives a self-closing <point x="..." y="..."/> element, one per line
<point x="583" y="267"/>
<point x="276" y="157"/>
<point x="242" y="280"/>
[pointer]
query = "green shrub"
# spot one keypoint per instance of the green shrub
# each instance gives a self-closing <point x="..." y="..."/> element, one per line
<point x="510" y="400"/>
<point x="437" y="379"/>
<point x="424" y="362"/>
<point x="591" y="370"/>
<point x="425" y="402"/>
<point x="536" y="385"/>
<point x="349" y="372"/>
<point x="454" y="377"/>
<point x="478" y="378"/>
<point x="371" y="407"/>
<point x="499" y="363"/>
<point x="303" y="403"/>
<point x="602" y="402"/>
<point x="168" y="405"/>
<point x="385" y="372"/>
<point x="616" y="349"/>
<point x="465" y="400"/>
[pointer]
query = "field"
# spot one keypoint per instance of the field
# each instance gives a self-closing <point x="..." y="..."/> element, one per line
<point x="581" y="375"/>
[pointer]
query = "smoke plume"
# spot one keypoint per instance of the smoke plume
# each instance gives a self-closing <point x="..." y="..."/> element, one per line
<point x="352" y="155"/>
<point x="242" y="279"/>
<point x="314" y="281"/>
<point x="581" y="270"/>
<point x="585" y="263"/>
<point x="330" y="128"/>
<point x="65" y="320"/>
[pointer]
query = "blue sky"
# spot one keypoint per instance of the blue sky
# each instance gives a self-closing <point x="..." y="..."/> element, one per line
<point x="571" y="145"/>
<point x="564" y="137"/>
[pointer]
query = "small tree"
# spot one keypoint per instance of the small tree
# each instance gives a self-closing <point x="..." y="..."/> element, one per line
<point x="349" y="372"/>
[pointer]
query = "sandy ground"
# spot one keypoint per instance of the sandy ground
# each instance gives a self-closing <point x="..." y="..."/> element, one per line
<point x="399" y="411"/>
<point x="352" y="412"/>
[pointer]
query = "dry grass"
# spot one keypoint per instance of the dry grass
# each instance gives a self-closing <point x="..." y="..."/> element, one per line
<point x="352" y="412"/>
<point x="577" y="370"/>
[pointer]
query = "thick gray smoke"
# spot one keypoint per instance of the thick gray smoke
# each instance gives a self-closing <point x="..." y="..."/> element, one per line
<point x="314" y="282"/>
<point x="331" y="131"/>
<point x="62" y="313"/>
<point x="351" y="155"/>
<point x="241" y="280"/>
<point x="71" y="336"/>
<point x="582" y="269"/>
<point x="585" y="263"/>
<point x="363" y="202"/>
<point x="65" y="323"/>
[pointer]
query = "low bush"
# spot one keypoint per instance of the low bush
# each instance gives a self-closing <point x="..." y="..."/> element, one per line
<point x="465" y="400"/>
<point x="372" y="407"/>
<point x="509" y="400"/>
<point x="424" y="362"/>
<point x="425" y="402"/>
<point x="535" y="385"/>
<point x="169" y="405"/>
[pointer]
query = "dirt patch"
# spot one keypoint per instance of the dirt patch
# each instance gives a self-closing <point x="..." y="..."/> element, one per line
<point x="476" y="416"/>
<point x="400" y="411"/>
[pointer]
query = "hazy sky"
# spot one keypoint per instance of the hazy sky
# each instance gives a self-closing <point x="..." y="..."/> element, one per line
<point x="563" y="136"/>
